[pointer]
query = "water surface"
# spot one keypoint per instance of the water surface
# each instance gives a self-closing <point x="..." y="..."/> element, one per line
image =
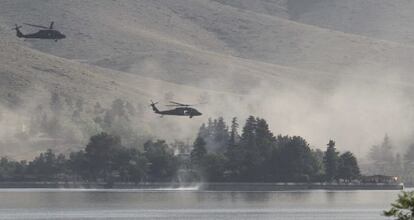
<point x="192" y="204"/>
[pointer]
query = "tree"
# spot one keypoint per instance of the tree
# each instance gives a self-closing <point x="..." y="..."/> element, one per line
<point x="162" y="164"/>
<point x="234" y="134"/>
<point x="203" y="131"/>
<point x="199" y="151"/>
<point x="403" y="208"/>
<point x="138" y="166"/>
<point x="348" y="167"/>
<point x="213" y="167"/>
<point x="47" y="165"/>
<point x="249" y="150"/>
<point x="265" y="145"/>
<point x="221" y="135"/>
<point x="318" y="158"/>
<point x="382" y="157"/>
<point x="12" y="170"/>
<point x="249" y="132"/>
<point x="409" y="164"/>
<point x="234" y="152"/>
<point x="215" y="134"/>
<point x="78" y="165"/>
<point x="331" y="161"/>
<point x="293" y="160"/>
<point x="100" y="153"/>
<point x="130" y="164"/>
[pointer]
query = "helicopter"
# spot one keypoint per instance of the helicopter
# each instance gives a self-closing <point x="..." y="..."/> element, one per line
<point x="45" y="33"/>
<point x="180" y="110"/>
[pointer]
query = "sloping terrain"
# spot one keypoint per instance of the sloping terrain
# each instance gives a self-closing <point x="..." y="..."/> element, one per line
<point x="141" y="37"/>
<point x="379" y="19"/>
<point x="28" y="78"/>
<point x="319" y="80"/>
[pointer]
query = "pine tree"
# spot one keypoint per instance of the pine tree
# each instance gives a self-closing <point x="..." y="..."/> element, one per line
<point x="203" y="131"/>
<point x="199" y="151"/>
<point x="221" y="135"/>
<point x="264" y="137"/>
<point x="248" y="136"/>
<point x="383" y="157"/>
<point x="331" y="161"/>
<point x="234" y="134"/>
<point x="264" y="141"/>
<point x="233" y="152"/>
<point x="249" y="152"/>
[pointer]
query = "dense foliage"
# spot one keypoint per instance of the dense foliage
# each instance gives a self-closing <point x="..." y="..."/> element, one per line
<point x="403" y="208"/>
<point x="258" y="156"/>
<point x="219" y="153"/>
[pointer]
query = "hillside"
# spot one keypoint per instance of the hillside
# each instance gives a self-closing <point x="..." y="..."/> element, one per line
<point x="378" y="19"/>
<point x="29" y="79"/>
<point x="141" y="37"/>
<point x="381" y="19"/>
<point x="270" y="58"/>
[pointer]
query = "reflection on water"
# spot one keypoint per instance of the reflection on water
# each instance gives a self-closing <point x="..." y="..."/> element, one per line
<point x="191" y="204"/>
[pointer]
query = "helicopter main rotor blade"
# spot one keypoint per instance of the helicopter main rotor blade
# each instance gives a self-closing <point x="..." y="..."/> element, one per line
<point x="177" y="103"/>
<point x="38" y="26"/>
<point x="185" y="105"/>
<point x="51" y="25"/>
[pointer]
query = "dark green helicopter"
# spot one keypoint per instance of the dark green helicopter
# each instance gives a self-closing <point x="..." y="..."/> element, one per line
<point x="45" y="33"/>
<point x="180" y="110"/>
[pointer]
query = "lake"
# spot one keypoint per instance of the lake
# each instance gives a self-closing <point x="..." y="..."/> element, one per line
<point x="188" y="203"/>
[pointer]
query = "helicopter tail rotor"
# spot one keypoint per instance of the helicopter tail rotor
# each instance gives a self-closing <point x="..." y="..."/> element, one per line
<point x="154" y="108"/>
<point x="17" y="29"/>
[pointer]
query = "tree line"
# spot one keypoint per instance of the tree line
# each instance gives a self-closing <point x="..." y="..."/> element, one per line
<point x="218" y="154"/>
<point x="104" y="159"/>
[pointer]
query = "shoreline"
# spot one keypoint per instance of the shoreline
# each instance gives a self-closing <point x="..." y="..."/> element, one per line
<point x="202" y="186"/>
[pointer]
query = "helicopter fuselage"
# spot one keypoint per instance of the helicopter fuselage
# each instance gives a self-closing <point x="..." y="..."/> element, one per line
<point x="44" y="34"/>
<point x="180" y="111"/>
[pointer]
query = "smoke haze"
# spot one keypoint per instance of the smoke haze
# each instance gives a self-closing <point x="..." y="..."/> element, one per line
<point x="321" y="69"/>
